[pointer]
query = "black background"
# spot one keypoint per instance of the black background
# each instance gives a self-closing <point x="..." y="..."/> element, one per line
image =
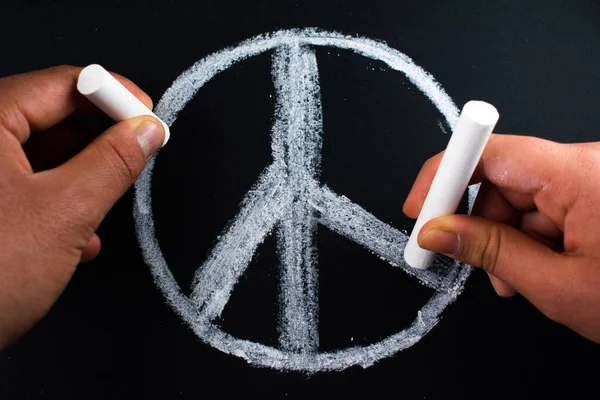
<point x="111" y="335"/>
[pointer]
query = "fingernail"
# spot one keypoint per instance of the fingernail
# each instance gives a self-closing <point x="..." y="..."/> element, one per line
<point x="150" y="137"/>
<point x="440" y="241"/>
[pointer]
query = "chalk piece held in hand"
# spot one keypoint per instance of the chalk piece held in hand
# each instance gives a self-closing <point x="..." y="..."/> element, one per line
<point x="108" y="94"/>
<point x="473" y="129"/>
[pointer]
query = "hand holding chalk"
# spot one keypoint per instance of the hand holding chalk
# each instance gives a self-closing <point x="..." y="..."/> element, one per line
<point x="53" y="200"/>
<point x="475" y="125"/>
<point x="102" y="89"/>
<point x="535" y="227"/>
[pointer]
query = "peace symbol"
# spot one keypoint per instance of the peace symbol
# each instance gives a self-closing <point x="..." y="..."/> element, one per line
<point x="287" y="198"/>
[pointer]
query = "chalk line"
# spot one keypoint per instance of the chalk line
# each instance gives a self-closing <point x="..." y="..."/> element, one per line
<point x="298" y="126"/>
<point x="288" y="197"/>
<point x="262" y="208"/>
<point x="342" y="216"/>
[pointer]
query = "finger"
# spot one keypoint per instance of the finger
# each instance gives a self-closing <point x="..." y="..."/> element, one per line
<point x="498" y="249"/>
<point x="417" y="194"/>
<point x="99" y="175"/>
<point x="529" y="170"/>
<point x="528" y="166"/>
<point x="493" y="205"/>
<point x="501" y="287"/>
<point x="92" y="249"/>
<point x="55" y="145"/>
<point x="539" y="227"/>
<point x="522" y="202"/>
<point x="12" y="156"/>
<point x="416" y="197"/>
<point x="40" y="99"/>
<point x="538" y="223"/>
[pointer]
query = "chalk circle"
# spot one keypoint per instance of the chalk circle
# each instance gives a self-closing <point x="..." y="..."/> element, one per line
<point x="174" y="100"/>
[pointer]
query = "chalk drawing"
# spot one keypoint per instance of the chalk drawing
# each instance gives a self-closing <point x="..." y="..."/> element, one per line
<point x="288" y="199"/>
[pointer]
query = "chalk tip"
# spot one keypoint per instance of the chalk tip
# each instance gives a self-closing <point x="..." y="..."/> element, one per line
<point x="481" y="112"/>
<point x="167" y="132"/>
<point x="418" y="258"/>
<point x="90" y="79"/>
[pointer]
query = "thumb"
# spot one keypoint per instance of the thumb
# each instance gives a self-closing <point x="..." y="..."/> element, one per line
<point x="498" y="249"/>
<point x="102" y="172"/>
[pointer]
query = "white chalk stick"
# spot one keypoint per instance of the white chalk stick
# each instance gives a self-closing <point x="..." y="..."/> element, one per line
<point x="472" y="131"/>
<point x="108" y="94"/>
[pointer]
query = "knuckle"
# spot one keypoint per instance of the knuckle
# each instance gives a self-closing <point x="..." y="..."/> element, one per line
<point x="588" y="157"/>
<point x="13" y="121"/>
<point x="540" y="144"/>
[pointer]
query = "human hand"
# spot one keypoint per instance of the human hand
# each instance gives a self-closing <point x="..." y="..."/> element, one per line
<point x="534" y="228"/>
<point x="48" y="218"/>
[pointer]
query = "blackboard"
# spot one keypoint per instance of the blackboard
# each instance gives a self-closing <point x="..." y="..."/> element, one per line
<point x="113" y="335"/>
